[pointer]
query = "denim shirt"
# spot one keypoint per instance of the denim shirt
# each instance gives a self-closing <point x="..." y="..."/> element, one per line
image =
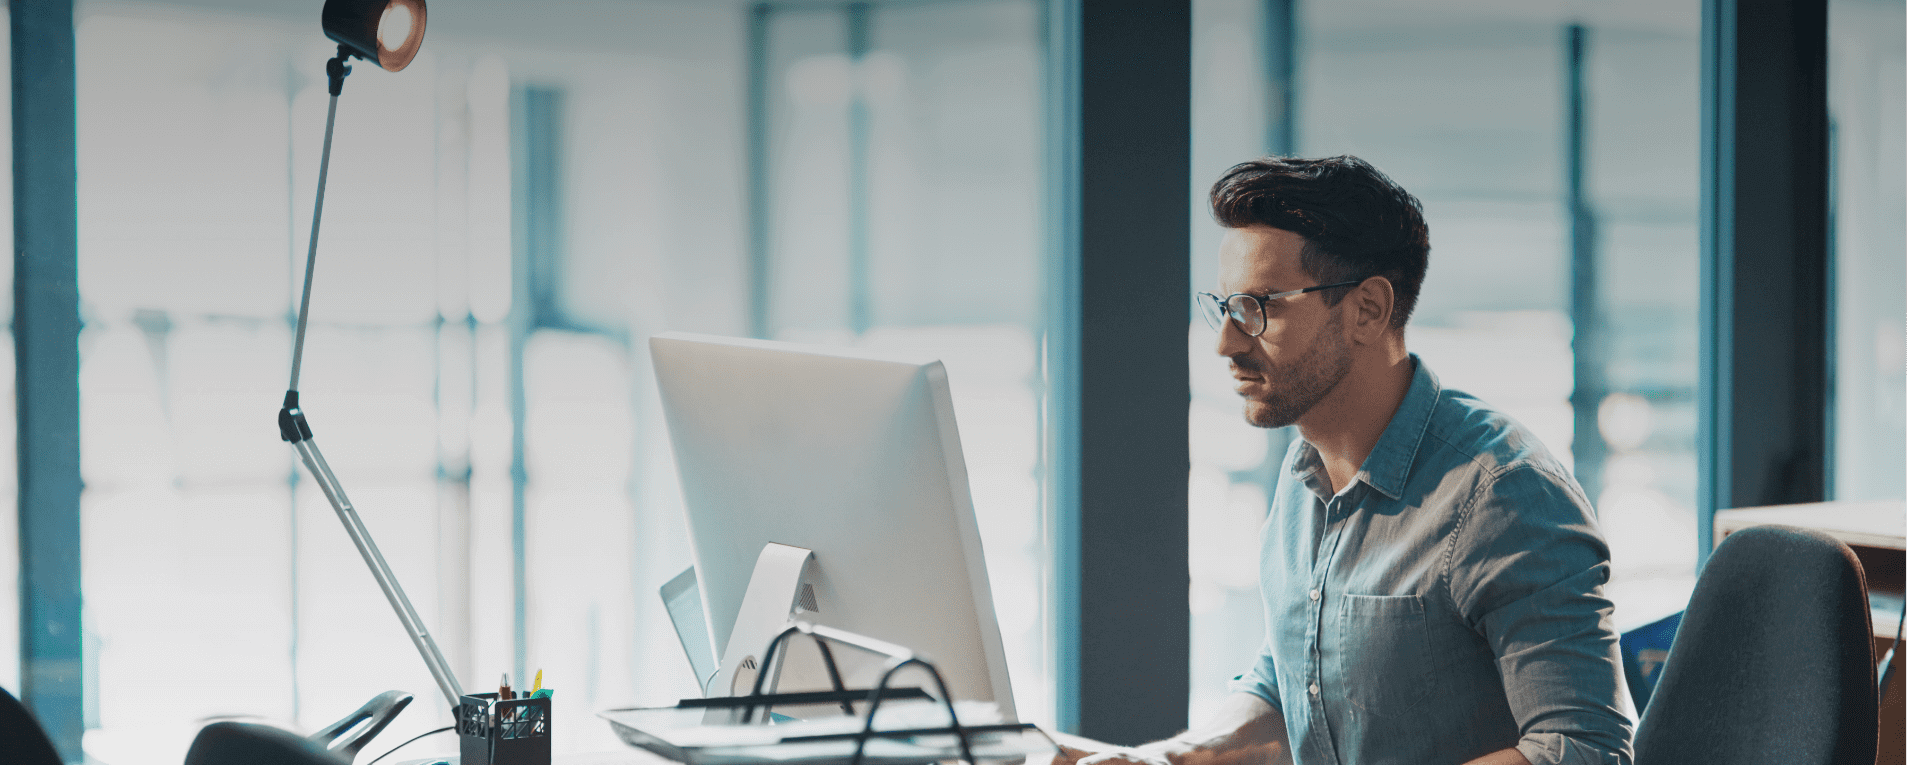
<point x="1445" y="604"/>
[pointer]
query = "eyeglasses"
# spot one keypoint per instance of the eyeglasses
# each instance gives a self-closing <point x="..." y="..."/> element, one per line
<point x="1249" y="311"/>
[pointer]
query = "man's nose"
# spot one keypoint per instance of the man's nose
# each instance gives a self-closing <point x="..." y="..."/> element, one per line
<point x="1232" y="340"/>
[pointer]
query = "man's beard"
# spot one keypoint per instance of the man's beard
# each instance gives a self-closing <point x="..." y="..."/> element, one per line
<point x="1296" y="387"/>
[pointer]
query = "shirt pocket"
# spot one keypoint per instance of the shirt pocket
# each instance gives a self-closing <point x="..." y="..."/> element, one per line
<point x="1385" y="655"/>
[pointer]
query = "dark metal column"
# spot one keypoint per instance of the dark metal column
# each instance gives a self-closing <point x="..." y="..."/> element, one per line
<point x="757" y="111"/>
<point x="860" y="288"/>
<point x="1763" y="393"/>
<point x="1280" y="19"/>
<point x="1282" y="76"/>
<point x="1117" y="350"/>
<point x="1588" y="349"/>
<point x="46" y="327"/>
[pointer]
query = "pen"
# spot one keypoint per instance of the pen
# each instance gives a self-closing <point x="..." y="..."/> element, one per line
<point x="503" y="688"/>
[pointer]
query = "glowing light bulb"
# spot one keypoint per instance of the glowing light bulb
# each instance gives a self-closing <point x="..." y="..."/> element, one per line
<point x="395" y="27"/>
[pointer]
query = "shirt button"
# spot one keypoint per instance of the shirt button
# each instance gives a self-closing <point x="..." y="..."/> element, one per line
<point x="1314" y="690"/>
<point x="1314" y="594"/>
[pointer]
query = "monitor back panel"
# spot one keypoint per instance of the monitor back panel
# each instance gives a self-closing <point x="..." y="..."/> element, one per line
<point x="854" y="456"/>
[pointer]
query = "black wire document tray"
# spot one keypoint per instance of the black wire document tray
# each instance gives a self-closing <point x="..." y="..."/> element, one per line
<point x="902" y="726"/>
<point x="679" y="734"/>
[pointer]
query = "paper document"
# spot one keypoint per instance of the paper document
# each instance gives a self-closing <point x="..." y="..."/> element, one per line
<point x="919" y="734"/>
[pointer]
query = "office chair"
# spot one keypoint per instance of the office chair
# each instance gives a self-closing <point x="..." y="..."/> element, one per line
<point x="237" y="743"/>
<point x="20" y="735"/>
<point x="1772" y="663"/>
<point x="353" y="731"/>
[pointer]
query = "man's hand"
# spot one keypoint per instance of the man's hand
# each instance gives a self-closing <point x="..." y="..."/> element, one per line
<point x="1074" y="748"/>
<point x="1128" y="756"/>
<point x="1078" y="750"/>
<point x="1247" y="730"/>
<point x="1069" y="755"/>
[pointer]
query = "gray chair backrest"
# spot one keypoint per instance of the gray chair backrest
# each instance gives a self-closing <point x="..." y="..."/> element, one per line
<point x="236" y="743"/>
<point x="1772" y="663"/>
<point x="21" y="738"/>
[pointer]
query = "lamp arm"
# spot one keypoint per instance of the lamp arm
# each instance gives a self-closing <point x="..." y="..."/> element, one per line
<point x="355" y="527"/>
<point x="335" y="72"/>
<point x="292" y="427"/>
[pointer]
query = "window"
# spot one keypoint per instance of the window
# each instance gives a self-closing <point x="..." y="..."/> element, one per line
<point x="1467" y="106"/>
<point x="1867" y="279"/>
<point x="9" y="520"/>
<point x="506" y="220"/>
<point x="903" y="150"/>
<point x="216" y="575"/>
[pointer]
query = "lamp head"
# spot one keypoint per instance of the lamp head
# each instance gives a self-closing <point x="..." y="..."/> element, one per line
<point x="385" y="32"/>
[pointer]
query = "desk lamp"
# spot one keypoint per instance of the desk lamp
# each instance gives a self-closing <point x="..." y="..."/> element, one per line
<point x="387" y="33"/>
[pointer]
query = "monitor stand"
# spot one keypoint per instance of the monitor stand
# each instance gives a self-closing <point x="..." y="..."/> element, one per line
<point x="775" y="590"/>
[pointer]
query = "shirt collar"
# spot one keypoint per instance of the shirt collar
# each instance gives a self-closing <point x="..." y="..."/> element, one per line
<point x="1390" y="462"/>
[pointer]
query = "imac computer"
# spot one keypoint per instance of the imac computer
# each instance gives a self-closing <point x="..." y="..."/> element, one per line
<point x="827" y="485"/>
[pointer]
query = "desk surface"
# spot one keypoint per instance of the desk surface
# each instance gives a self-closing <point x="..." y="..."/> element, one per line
<point x="619" y="757"/>
<point x="1874" y="530"/>
<point x="1866" y="524"/>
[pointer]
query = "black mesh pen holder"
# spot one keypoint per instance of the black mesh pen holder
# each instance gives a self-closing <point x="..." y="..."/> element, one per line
<point x="510" y="732"/>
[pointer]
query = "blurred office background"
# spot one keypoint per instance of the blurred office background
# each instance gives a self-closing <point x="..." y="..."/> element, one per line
<point x="1555" y="147"/>
<point x="548" y="186"/>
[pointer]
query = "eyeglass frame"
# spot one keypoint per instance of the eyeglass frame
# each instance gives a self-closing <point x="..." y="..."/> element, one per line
<point x="1260" y="302"/>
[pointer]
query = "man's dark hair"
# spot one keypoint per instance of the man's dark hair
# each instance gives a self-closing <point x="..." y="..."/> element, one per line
<point x="1357" y="223"/>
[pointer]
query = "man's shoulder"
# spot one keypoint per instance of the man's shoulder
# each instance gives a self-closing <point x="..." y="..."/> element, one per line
<point x="1509" y="493"/>
<point x="1465" y="432"/>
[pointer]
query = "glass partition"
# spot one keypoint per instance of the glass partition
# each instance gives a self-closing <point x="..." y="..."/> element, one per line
<point x="506" y="221"/>
<point x="9" y="488"/>
<point x="1867" y="284"/>
<point x="486" y="418"/>
<point x="1469" y="106"/>
<point x="903" y="152"/>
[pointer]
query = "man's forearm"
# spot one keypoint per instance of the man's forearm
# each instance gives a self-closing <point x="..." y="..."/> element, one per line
<point x="1247" y="730"/>
<point x="1502" y="757"/>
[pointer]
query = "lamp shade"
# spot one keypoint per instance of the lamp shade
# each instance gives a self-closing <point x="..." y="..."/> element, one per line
<point x="387" y="32"/>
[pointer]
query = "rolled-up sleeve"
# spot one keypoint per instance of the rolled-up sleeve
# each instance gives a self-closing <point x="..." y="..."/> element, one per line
<point x="1526" y="569"/>
<point x="1259" y="680"/>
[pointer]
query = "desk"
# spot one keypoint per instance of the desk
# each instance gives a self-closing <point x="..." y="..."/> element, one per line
<point x="1875" y="531"/>
<point x="631" y="756"/>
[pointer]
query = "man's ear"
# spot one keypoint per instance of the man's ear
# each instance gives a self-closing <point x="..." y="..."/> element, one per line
<point x="1372" y="304"/>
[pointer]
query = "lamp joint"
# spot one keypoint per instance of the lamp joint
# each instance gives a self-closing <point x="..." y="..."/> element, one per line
<point x="291" y="420"/>
<point x="336" y="69"/>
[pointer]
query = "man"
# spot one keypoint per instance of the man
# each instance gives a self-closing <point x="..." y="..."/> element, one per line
<point x="1431" y="575"/>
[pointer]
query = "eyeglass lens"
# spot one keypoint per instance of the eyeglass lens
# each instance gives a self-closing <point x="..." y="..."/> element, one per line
<point x="1246" y="310"/>
<point x="1212" y="309"/>
<point x="1240" y="308"/>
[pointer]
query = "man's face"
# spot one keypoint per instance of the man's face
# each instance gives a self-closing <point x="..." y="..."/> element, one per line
<point x="1303" y="354"/>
